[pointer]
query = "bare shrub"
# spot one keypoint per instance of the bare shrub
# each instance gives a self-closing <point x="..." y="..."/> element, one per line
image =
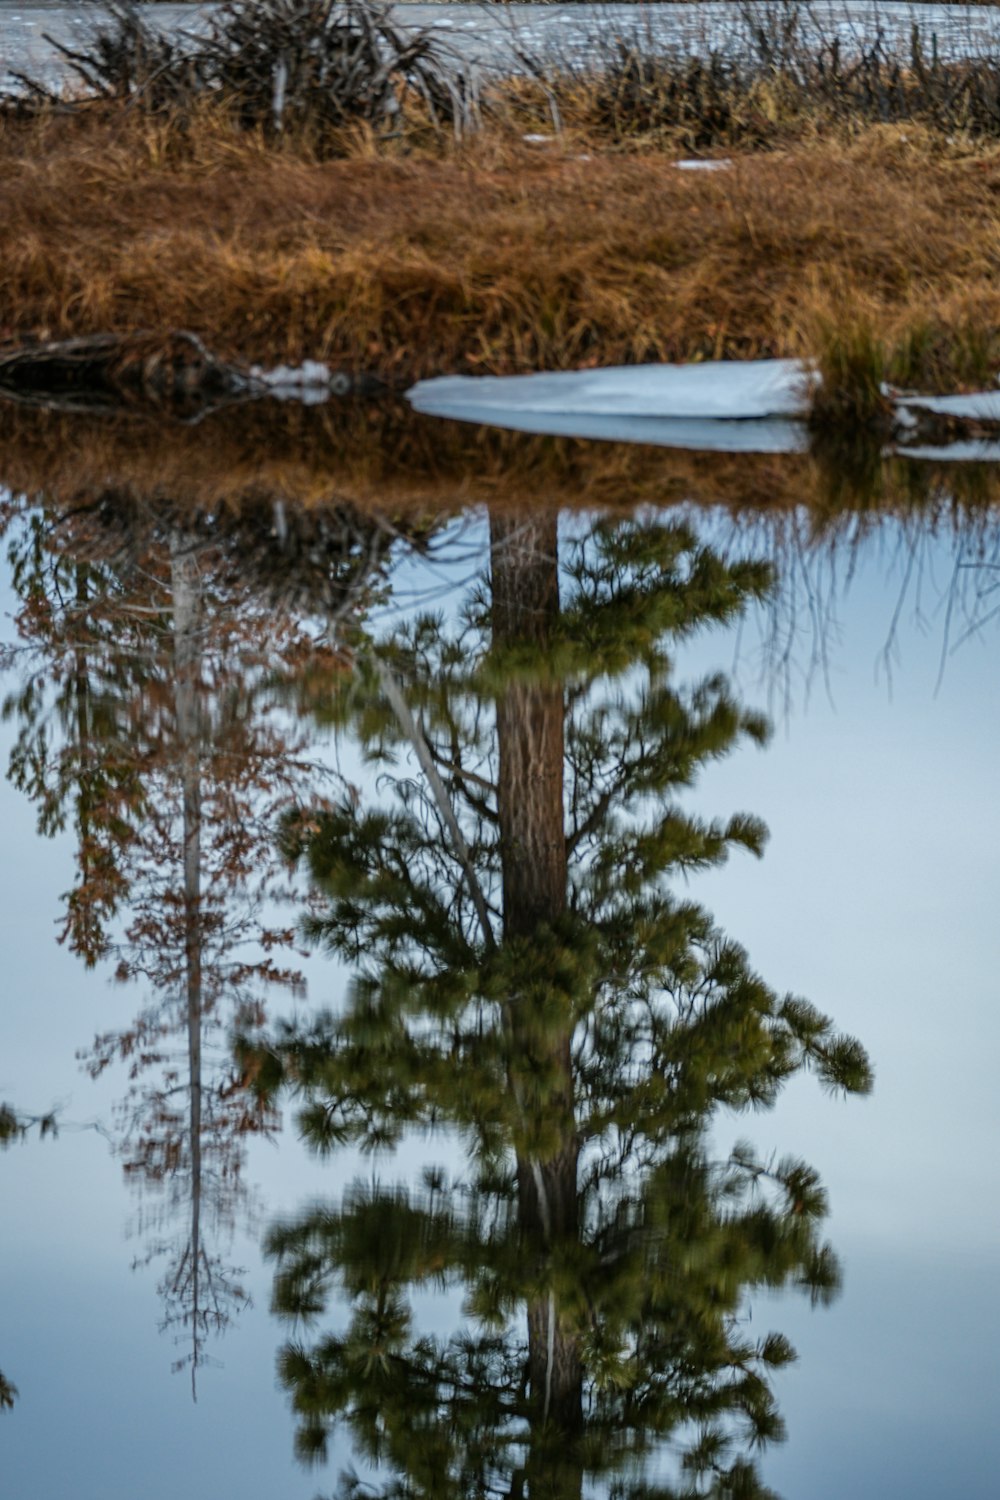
<point x="125" y="59"/>
<point x="775" y="76"/>
<point x="298" y="66"/>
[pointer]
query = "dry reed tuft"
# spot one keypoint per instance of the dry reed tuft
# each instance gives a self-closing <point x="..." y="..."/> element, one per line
<point x="773" y="79"/>
<point x="300" y="68"/>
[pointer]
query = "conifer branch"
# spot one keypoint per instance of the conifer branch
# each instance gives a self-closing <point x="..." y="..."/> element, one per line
<point x="414" y="734"/>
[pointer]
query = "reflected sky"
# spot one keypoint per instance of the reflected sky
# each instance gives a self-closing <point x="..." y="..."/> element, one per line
<point x="875" y="899"/>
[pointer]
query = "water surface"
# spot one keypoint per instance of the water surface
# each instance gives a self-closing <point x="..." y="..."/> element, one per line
<point x="271" y="623"/>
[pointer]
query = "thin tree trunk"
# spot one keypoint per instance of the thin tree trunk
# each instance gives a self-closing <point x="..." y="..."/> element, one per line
<point x="414" y="733"/>
<point x="530" y="718"/>
<point x="187" y="668"/>
<point x="84" y="729"/>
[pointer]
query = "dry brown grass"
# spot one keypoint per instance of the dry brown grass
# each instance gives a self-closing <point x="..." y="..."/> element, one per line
<point x="501" y="256"/>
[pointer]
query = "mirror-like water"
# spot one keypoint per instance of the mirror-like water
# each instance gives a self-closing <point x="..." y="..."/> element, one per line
<point x="383" y="812"/>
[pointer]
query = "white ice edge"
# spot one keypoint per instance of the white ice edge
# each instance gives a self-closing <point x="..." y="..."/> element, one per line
<point x="311" y="373"/>
<point x="752" y="435"/>
<point x="721" y="390"/>
<point x="722" y="406"/>
<point x="310" y="383"/>
<point x="977" y="406"/>
<point x="981" y="451"/>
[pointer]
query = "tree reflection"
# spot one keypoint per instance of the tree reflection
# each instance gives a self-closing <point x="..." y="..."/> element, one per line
<point x="528" y="977"/>
<point x="148" y="721"/>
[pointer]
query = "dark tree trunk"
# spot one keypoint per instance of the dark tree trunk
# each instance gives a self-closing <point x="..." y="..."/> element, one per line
<point x="525" y="574"/>
<point x="530" y="715"/>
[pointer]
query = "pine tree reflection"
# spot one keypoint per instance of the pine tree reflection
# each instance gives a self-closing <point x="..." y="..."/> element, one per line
<point x="528" y="976"/>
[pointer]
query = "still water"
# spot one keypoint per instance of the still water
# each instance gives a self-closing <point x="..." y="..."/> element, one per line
<point x="385" y="831"/>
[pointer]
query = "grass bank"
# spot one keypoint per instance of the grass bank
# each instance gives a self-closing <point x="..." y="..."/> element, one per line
<point x="502" y="256"/>
<point x="418" y="228"/>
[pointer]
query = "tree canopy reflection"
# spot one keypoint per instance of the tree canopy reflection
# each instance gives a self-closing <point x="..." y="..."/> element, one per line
<point x="529" y="977"/>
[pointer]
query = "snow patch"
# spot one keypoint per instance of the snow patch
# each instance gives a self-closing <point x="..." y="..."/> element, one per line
<point x="722" y="390"/>
<point x="977" y="406"/>
<point x="720" y="164"/>
<point x="310" y="382"/>
<point x="756" y="435"/>
<point x="970" y="451"/>
<point x="734" y="406"/>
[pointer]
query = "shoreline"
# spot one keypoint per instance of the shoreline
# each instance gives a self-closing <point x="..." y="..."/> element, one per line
<point x="382" y="456"/>
<point x="374" y="263"/>
<point x="401" y="220"/>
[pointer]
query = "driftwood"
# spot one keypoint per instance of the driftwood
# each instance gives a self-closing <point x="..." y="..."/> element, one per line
<point x="172" y="373"/>
<point x="925" y="428"/>
<point x="108" y="368"/>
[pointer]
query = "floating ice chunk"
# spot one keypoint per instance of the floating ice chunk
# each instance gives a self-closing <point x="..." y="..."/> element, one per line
<point x="310" y="382"/>
<point x="756" y="435"/>
<point x="968" y="451"/>
<point x="720" y="164"/>
<point x="723" y="390"/>
<point x="310" y="372"/>
<point x="978" y="406"/>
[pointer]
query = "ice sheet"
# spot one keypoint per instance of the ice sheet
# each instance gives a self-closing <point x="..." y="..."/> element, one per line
<point x="721" y="390"/>
<point x="969" y="451"/>
<point x="754" y="435"/>
<point x="977" y="406"/>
